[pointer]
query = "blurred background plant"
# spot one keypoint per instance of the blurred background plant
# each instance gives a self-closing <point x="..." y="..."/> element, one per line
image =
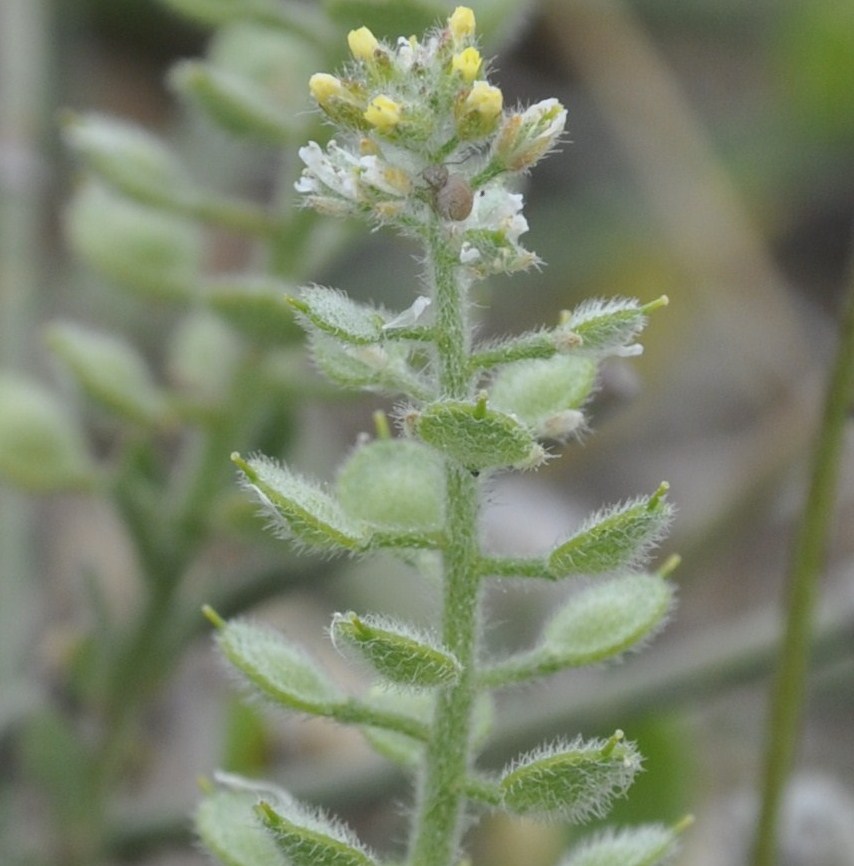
<point x="712" y="159"/>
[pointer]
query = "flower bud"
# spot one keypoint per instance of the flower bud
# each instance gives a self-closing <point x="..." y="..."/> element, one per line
<point x="382" y="113"/>
<point x="461" y="23"/>
<point x="467" y="63"/>
<point x="342" y="102"/>
<point x="363" y="44"/>
<point x="527" y="137"/>
<point x="477" y="112"/>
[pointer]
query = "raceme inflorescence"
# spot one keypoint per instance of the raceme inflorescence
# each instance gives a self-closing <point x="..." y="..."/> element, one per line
<point x="423" y="143"/>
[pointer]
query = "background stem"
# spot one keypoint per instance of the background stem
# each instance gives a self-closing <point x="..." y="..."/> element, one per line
<point x="807" y="561"/>
<point x="24" y="107"/>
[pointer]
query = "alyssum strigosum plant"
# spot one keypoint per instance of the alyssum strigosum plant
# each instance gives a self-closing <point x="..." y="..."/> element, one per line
<point x="425" y="145"/>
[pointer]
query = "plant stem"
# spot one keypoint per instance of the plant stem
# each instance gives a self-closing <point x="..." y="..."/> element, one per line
<point x="448" y="755"/>
<point x="807" y="562"/>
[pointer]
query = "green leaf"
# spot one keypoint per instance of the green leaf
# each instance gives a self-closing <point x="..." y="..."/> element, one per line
<point x="647" y="845"/>
<point x="475" y="436"/>
<point x="41" y="446"/>
<point x="606" y="619"/>
<point x="618" y="537"/>
<point x="255" y="306"/>
<point x="233" y="102"/>
<point x="279" y="670"/>
<point x="152" y="253"/>
<point x="300" y="509"/>
<point x="307" y="837"/>
<point x="396" y="651"/>
<point x="130" y="159"/>
<point x="546" y="393"/>
<point x="110" y="371"/>
<point x="570" y="781"/>
<point x="394" y="484"/>
<point x="334" y="313"/>
<point x="228" y="827"/>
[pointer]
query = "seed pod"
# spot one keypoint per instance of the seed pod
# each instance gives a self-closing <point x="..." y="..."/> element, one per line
<point x="453" y="198"/>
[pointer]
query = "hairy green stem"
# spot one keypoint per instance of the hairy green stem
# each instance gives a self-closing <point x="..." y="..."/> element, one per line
<point x="448" y="755"/>
<point x="807" y="561"/>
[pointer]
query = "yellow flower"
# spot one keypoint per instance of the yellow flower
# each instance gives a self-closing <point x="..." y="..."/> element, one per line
<point x="362" y="44"/>
<point x="324" y="87"/>
<point x="382" y="113"/>
<point x="484" y="100"/>
<point x="478" y="113"/>
<point x="467" y="63"/>
<point x="461" y="23"/>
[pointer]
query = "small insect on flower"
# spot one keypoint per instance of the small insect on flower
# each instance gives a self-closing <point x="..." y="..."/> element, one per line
<point x="453" y="197"/>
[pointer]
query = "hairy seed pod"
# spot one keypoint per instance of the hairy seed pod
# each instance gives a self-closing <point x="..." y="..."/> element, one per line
<point x="452" y="196"/>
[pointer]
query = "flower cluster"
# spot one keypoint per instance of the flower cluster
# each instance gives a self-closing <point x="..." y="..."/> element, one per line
<point x="424" y="142"/>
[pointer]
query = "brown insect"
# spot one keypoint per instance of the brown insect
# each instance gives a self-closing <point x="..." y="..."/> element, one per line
<point x="453" y="198"/>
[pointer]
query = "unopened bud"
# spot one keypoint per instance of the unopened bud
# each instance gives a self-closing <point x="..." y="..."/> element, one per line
<point x="468" y="63"/>
<point x="461" y="23"/>
<point x="342" y="101"/>
<point x="527" y="137"/>
<point x="363" y="44"/>
<point x="382" y="113"/>
<point x="477" y="113"/>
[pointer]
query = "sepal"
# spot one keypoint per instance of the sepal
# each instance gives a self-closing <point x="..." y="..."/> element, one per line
<point x="110" y="371"/>
<point x="476" y="436"/>
<point x="394" y="485"/>
<point x="307" y="837"/>
<point x="301" y="509"/>
<point x="619" y="537"/>
<point x="276" y="668"/>
<point x="545" y="394"/>
<point x="570" y="781"/>
<point x="645" y="845"/>
<point x="396" y="651"/>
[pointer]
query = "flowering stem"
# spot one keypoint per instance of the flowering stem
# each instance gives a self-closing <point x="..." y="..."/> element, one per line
<point x="442" y="791"/>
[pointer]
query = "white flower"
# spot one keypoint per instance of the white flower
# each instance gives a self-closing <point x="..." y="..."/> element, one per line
<point x="379" y="175"/>
<point x="498" y="210"/>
